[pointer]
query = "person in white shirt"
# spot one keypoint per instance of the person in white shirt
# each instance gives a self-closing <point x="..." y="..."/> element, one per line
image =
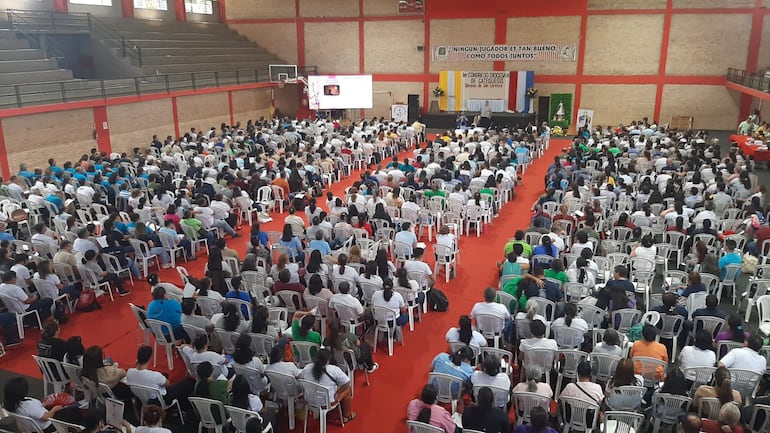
<point x="417" y="266"/>
<point x="406" y="236"/>
<point x="16" y="401"/>
<point x="647" y="250"/>
<point x="141" y="375"/>
<point x="199" y="352"/>
<point x="699" y="355"/>
<point x="83" y="244"/>
<point x="245" y="356"/>
<point x="465" y="334"/>
<point x="344" y="298"/>
<point x="278" y="363"/>
<point x="538" y="340"/>
<point x="570" y="320"/>
<point x="333" y="379"/>
<point x="392" y="301"/>
<point x="490" y="375"/>
<point x="16" y="299"/>
<point x="584" y="389"/>
<point x="44" y="236"/>
<point x="490" y="307"/>
<point x="23" y="276"/>
<point x="746" y="358"/>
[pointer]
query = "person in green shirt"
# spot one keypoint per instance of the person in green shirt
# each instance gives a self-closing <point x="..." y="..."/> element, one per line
<point x="745" y="127"/>
<point x="556" y="271"/>
<point x="302" y="327"/>
<point x="519" y="239"/>
<point x="208" y="386"/>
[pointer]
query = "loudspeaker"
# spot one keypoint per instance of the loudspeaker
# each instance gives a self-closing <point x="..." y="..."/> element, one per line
<point x="543" y="108"/>
<point x="413" y="112"/>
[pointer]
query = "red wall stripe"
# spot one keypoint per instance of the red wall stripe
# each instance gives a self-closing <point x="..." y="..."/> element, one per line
<point x="665" y="42"/>
<point x="179" y="10"/>
<point x="513" y="88"/>
<point x="757" y="24"/>
<point x="501" y="33"/>
<point x="230" y="106"/>
<point x="61" y="6"/>
<point x="223" y="12"/>
<point x="300" y="35"/>
<point x="4" y="166"/>
<point x="127" y="8"/>
<point x="175" y="116"/>
<point x="101" y="124"/>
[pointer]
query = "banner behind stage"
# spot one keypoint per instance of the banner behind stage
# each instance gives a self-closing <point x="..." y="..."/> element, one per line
<point x="470" y="90"/>
<point x="512" y="53"/>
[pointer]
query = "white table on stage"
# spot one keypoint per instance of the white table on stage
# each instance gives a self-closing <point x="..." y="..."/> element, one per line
<point x="495" y="105"/>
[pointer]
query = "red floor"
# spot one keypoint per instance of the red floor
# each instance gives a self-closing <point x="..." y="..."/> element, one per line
<point x="399" y="379"/>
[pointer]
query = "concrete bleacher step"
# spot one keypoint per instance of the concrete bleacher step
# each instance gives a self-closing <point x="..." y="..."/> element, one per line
<point x="21" y="54"/>
<point x="131" y="35"/>
<point x="222" y="58"/>
<point x="200" y="54"/>
<point x="35" y="76"/>
<point x="201" y="68"/>
<point x="7" y="34"/>
<point x="123" y="24"/>
<point x="13" y="44"/>
<point x="194" y="44"/>
<point x="27" y="65"/>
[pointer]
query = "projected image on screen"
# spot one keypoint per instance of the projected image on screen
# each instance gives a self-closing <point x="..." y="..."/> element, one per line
<point x="332" y="92"/>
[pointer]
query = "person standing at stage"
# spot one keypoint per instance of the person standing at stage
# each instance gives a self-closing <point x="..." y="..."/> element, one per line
<point x="486" y="116"/>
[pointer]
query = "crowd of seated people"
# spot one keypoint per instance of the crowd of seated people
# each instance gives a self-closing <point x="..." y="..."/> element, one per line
<point x="641" y="233"/>
<point x="109" y="219"/>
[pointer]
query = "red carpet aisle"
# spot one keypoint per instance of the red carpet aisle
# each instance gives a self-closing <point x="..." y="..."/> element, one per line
<point x="399" y="378"/>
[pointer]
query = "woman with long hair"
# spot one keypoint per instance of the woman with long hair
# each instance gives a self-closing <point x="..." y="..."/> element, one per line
<point x="242" y="396"/>
<point x="490" y="375"/>
<point x="204" y="289"/>
<point x="315" y="287"/>
<point x="230" y="319"/>
<point x="302" y="324"/>
<point x="316" y="265"/>
<point x="464" y="333"/>
<point x="580" y="273"/>
<point x="735" y="333"/>
<point x="370" y="274"/>
<point x="546" y="248"/>
<point x="331" y="377"/>
<point x="425" y="410"/>
<point x="571" y="320"/>
<point x="340" y="339"/>
<point x="403" y="281"/>
<point x="244" y="356"/>
<point x="260" y="323"/>
<point x="283" y="263"/>
<point x="100" y="370"/>
<point x="16" y="401"/>
<point x="152" y="420"/>
<point x="384" y="267"/>
<point x="486" y="416"/>
<point x="293" y="243"/>
<point x="722" y="389"/>
<point x="217" y="270"/>
<point x="50" y="345"/>
<point x="342" y="271"/>
<point x="393" y="301"/>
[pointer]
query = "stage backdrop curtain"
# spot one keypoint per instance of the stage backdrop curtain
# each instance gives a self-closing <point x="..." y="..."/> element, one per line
<point x="470" y="90"/>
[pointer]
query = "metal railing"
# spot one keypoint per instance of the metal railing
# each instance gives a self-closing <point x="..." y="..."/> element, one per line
<point x="34" y="23"/>
<point x="752" y="81"/>
<point x="23" y="95"/>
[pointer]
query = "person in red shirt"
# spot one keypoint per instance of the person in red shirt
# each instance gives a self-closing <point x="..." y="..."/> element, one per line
<point x="762" y="234"/>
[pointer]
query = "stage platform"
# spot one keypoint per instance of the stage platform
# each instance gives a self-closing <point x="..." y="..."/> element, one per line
<point x="446" y="120"/>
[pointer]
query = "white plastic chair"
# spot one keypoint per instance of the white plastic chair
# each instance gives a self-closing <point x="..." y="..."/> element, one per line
<point x="164" y="335"/>
<point x="383" y="318"/>
<point x="622" y="422"/>
<point x="578" y="410"/>
<point x="65" y="427"/>
<point x="625" y="398"/>
<point x="169" y="243"/>
<point x="651" y="369"/>
<point x="523" y="402"/>
<point x="667" y="408"/>
<point x="445" y="257"/>
<point x="304" y="352"/>
<point x="53" y="374"/>
<point x="205" y="408"/>
<point x="421" y="427"/>
<point x="765" y="426"/>
<point x="672" y="327"/>
<point x="147" y="393"/>
<point x="227" y="339"/>
<point x="708" y="408"/>
<point x="20" y="316"/>
<point x="603" y="366"/>
<point x="449" y="388"/>
<point x="317" y="400"/>
<point x="142" y="254"/>
<point x="746" y="382"/>
<point x="285" y="388"/>
<point x="91" y="281"/>
<point x="761" y="286"/>
<point x="240" y="417"/>
<point x="25" y="424"/>
<point x="490" y="326"/>
<point x="568" y="361"/>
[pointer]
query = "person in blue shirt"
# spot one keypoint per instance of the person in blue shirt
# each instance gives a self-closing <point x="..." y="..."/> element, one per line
<point x="56" y="170"/>
<point x="166" y="310"/>
<point x="4" y="235"/>
<point x="694" y="285"/>
<point x="293" y="243"/>
<point x="23" y="172"/>
<point x="320" y="244"/>
<point x="456" y="364"/>
<point x="258" y="237"/>
<point x="237" y="293"/>
<point x="730" y="258"/>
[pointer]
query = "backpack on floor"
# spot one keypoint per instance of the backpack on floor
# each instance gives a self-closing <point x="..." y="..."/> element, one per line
<point x="437" y="300"/>
<point x="87" y="301"/>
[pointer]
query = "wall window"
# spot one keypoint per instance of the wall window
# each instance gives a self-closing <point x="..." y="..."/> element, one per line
<point x="158" y="5"/>
<point x="92" y="2"/>
<point x="199" y="7"/>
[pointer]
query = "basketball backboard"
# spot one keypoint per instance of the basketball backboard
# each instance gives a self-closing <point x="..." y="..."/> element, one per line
<point x="283" y="73"/>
